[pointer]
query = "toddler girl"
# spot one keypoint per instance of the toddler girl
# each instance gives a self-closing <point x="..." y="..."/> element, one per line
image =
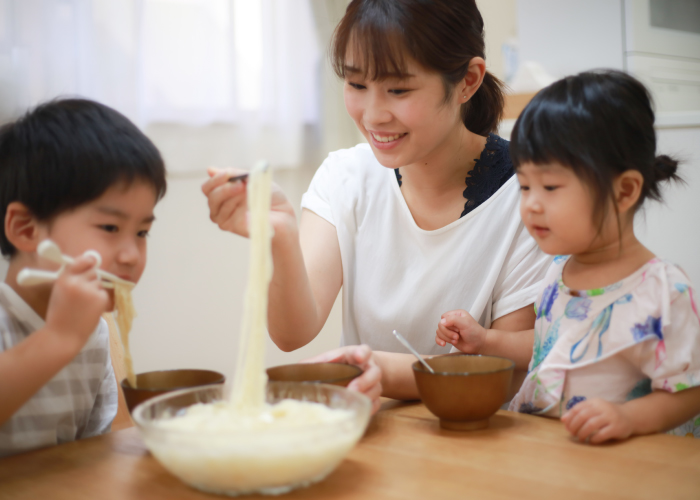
<point x="617" y="335"/>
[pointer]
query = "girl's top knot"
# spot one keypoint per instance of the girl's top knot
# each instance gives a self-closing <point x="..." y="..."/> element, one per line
<point x="665" y="168"/>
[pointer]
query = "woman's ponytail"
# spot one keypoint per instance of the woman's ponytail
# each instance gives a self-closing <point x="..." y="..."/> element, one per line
<point x="482" y="113"/>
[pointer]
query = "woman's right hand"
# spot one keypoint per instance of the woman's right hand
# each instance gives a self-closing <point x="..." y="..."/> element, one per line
<point x="370" y="382"/>
<point x="228" y="203"/>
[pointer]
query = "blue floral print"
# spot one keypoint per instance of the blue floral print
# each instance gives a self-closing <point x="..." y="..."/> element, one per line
<point x="600" y="326"/>
<point x="541" y="349"/>
<point x="560" y="258"/>
<point x="577" y="308"/>
<point x="652" y="327"/>
<point x="550" y="293"/>
<point x="574" y="401"/>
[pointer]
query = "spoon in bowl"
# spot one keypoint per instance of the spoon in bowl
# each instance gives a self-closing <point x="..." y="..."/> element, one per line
<point x="403" y="340"/>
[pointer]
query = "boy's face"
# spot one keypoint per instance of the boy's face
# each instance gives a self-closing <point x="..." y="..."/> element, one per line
<point x="556" y="207"/>
<point x="116" y="225"/>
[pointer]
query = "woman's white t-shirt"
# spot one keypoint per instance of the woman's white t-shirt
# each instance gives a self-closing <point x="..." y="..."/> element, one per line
<point x="399" y="276"/>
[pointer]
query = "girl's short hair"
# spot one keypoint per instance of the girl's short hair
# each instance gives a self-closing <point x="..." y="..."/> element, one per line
<point x="68" y="152"/>
<point x="598" y="123"/>
<point x="440" y="35"/>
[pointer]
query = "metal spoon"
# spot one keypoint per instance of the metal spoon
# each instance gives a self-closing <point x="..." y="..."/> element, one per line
<point x="403" y="340"/>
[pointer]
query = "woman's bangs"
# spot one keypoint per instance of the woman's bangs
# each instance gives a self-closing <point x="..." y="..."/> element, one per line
<point x="372" y="52"/>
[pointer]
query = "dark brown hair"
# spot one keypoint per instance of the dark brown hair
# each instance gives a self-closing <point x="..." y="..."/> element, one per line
<point x="68" y="152"/>
<point x="440" y="35"/>
<point x="600" y="124"/>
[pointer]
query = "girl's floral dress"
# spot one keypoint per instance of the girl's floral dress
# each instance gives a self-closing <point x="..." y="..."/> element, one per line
<point x="616" y="343"/>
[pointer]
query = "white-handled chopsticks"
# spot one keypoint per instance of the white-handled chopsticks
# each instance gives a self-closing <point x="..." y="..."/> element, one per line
<point x="50" y="251"/>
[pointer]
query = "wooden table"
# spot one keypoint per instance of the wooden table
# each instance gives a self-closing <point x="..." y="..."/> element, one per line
<point x="404" y="455"/>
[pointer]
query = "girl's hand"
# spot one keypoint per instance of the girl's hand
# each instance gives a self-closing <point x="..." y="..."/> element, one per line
<point x="76" y="303"/>
<point x="461" y="330"/>
<point x="370" y="382"/>
<point x="596" y="421"/>
<point x="228" y="206"/>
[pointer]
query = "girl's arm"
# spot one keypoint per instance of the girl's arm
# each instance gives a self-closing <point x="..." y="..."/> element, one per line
<point x="506" y="340"/>
<point x="597" y="420"/>
<point x="510" y="336"/>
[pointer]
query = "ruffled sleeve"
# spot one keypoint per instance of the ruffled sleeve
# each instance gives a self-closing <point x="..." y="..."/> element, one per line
<point x="670" y="356"/>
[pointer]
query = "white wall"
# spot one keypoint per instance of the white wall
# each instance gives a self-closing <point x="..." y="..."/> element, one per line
<point x="672" y="229"/>
<point x="500" y="24"/>
<point x="567" y="36"/>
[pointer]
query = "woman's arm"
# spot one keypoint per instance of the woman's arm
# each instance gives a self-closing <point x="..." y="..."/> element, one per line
<point x="306" y="281"/>
<point x="307" y="272"/>
<point x="597" y="420"/>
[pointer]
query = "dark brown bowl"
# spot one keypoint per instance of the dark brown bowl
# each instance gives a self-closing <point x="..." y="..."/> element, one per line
<point x="152" y="384"/>
<point x="465" y="389"/>
<point x="320" y="373"/>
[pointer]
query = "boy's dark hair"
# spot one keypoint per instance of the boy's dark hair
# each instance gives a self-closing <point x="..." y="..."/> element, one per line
<point x="598" y="123"/>
<point x="68" y="152"/>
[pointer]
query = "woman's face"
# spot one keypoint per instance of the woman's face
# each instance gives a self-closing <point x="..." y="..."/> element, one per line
<point x="406" y="120"/>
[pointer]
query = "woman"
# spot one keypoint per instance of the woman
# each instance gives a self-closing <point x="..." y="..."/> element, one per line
<point x="394" y="222"/>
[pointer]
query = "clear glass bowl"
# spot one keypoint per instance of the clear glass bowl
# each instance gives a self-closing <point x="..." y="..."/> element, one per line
<point x="239" y="462"/>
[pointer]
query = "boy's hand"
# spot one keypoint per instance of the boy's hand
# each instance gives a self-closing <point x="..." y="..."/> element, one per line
<point x="77" y="301"/>
<point x="369" y="382"/>
<point x="596" y="420"/>
<point x="461" y="330"/>
<point x="228" y="205"/>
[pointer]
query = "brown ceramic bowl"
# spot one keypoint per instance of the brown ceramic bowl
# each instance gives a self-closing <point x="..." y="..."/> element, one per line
<point x="320" y="373"/>
<point x="465" y="389"/>
<point x="152" y="384"/>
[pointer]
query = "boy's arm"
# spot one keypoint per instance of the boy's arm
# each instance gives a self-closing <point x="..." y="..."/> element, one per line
<point x="598" y="420"/>
<point x="76" y="303"/>
<point x="29" y="365"/>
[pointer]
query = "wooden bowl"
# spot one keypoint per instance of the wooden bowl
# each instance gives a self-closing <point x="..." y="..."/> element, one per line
<point x="152" y="384"/>
<point x="465" y="389"/>
<point x="321" y="373"/>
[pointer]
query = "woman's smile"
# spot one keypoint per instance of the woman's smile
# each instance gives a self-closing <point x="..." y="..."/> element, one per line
<point x="383" y="140"/>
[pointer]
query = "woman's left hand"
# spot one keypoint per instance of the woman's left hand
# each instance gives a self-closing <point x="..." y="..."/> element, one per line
<point x="596" y="421"/>
<point x="370" y="382"/>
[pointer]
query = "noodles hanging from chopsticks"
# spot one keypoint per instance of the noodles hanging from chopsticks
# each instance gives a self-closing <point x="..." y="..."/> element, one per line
<point x="250" y="378"/>
<point x="124" y="306"/>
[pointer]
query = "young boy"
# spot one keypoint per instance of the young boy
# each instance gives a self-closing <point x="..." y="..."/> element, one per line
<point x="81" y="174"/>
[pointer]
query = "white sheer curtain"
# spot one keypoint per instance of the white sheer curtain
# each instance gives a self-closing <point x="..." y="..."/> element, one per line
<point x="252" y="63"/>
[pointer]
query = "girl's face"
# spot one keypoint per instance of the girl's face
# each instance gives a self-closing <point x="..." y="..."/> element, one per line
<point x="404" y="120"/>
<point x="557" y="209"/>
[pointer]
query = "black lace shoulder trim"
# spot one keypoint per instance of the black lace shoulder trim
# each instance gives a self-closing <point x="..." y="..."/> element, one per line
<point x="491" y="171"/>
